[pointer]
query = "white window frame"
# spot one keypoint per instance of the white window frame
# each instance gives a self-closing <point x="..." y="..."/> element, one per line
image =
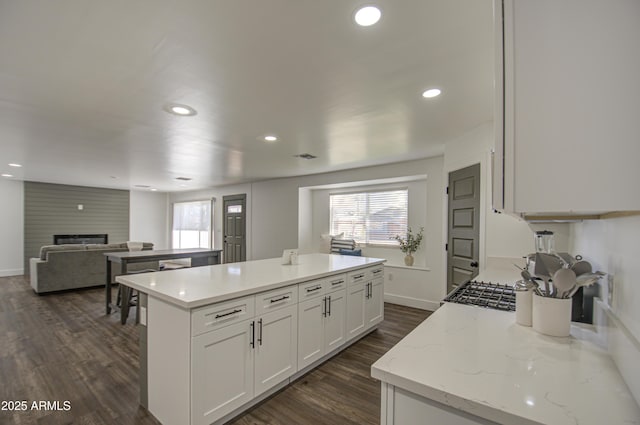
<point x="392" y="242"/>
<point x="210" y="239"/>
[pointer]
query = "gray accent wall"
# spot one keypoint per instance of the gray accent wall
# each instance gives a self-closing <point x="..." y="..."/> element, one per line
<point x="53" y="209"/>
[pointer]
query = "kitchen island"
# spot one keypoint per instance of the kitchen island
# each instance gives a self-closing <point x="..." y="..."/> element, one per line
<point x="470" y="365"/>
<point x="217" y="339"/>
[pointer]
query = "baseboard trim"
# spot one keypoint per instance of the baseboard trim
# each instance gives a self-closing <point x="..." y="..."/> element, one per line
<point x="11" y="272"/>
<point x="412" y="302"/>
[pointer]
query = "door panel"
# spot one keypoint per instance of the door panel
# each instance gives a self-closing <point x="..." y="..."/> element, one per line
<point x="355" y="309"/>
<point x="234" y="210"/>
<point x="335" y="325"/>
<point x="463" y="226"/>
<point x="219" y="387"/>
<point x="276" y="348"/>
<point x="310" y="332"/>
<point x="375" y="303"/>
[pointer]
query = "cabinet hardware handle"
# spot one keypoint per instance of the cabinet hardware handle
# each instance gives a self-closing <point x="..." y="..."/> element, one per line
<point x="337" y="282"/>
<point x="314" y="289"/>
<point x="377" y="271"/>
<point x="360" y="276"/>
<point x="286" y="297"/>
<point x="329" y="304"/>
<point x="324" y="307"/>
<point x="260" y="332"/>
<point x="252" y="341"/>
<point x="238" y="310"/>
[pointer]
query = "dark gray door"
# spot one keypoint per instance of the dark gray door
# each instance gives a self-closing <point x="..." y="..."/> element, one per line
<point x="235" y="241"/>
<point x="464" y="226"/>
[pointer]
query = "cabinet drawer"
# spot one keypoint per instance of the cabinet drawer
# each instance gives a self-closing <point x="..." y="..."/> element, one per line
<point x="222" y="314"/>
<point x="276" y="299"/>
<point x="357" y="277"/>
<point x="377" y="271"/>
<point x="311" y="289"/>
<point x="333" y="283"/>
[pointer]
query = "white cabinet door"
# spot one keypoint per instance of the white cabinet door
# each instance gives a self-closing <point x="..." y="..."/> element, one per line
<point x="335" y="329"/>
<point x="355" y="309"/>
<point x="222" y="372"/>
<point x="374" y="302"/>
<point x="310" y="331"/>
<point x="276" y="342"/>
<point x="571" y="102"/>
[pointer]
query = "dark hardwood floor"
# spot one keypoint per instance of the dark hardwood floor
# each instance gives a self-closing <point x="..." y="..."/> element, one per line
<point x="62" y="347"/>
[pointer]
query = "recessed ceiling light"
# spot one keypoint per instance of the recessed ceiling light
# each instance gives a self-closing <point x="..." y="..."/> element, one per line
<point x="6" y="175"/>
<point x="270" y="138"/>
<point x="431" y="93"/>
<point x="13" y="164"/>
<point x="367" y="16"/>
<point x="153" y="189"/>
<point x="181" y="110"/>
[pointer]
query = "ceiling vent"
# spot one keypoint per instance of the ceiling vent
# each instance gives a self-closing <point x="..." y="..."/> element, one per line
<point x="143" y="186"/>
<point x="184" y="179"/>
<point x="306" y="156"/>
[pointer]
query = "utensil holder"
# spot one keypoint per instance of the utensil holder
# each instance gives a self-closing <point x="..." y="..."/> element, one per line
<point x="551" y="316"/>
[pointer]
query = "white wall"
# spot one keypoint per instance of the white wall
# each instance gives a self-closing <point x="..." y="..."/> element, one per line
<point x="11" y="227"/>
<point x="148" y="218"/>
<point x="612" y="246"/>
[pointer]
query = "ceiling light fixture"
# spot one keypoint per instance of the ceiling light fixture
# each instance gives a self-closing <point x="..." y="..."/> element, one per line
<point x="13" y="164"/>
<point x="180" y="110"/>
<point x="6" y="175"/>
<point x="153" y="189"/>
<point x="270" y="138"/>
<point x="431" y="93"/>
<point x="367" y="16"/>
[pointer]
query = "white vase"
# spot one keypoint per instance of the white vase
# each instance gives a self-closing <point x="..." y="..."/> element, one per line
<point x="408" y="260"/>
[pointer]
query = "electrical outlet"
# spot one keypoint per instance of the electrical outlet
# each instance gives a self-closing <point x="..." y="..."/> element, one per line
<point x="390" y="277"/>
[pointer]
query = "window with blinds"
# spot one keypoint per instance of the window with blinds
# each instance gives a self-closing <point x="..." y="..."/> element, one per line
<point x="191" y="224"/>
<point x="372" y="218"/>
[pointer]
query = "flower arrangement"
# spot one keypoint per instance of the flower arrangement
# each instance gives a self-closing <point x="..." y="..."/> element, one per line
<point x="411" y="243"/>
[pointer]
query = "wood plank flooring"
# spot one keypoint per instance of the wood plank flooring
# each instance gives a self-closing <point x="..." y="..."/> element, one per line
<point x="62" y="347"/>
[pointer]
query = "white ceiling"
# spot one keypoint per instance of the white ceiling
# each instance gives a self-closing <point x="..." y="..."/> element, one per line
<point x="83" y="85"/>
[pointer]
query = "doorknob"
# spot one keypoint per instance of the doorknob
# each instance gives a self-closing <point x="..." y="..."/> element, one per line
<point x="474" y="264"/>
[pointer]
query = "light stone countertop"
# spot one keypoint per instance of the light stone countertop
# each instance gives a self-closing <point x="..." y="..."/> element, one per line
<point x="198" y="286"/>
<point x="480" y="361"/>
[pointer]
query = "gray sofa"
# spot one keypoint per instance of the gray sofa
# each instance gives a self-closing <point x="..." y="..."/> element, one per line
<point x="62" y="267"/>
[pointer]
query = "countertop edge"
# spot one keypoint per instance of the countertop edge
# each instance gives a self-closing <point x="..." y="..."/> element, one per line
<point x="189" y="305"/>
<point x="472" y="407"/>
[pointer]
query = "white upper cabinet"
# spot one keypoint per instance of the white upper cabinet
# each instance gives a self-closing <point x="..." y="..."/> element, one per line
<point x="567" y="106"/>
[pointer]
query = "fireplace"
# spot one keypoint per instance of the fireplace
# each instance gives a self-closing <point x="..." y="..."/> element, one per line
<point x="81" y="239"/>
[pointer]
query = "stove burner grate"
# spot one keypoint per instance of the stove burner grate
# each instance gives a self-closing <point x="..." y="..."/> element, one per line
<point x="484" y="294"/>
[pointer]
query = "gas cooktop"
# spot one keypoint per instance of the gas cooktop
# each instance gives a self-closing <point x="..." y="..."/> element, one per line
<point x="484" y="294"/>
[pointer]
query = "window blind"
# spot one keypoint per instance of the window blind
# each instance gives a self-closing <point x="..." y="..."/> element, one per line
<point x="373" y="217"/>
<point x="191" y="224"/>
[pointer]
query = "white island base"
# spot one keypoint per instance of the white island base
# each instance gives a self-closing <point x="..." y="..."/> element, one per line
<point x="221" y="338"/>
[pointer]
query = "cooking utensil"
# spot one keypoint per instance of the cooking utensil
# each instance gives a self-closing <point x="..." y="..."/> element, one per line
<point x="563" y="282"/>
<point x="581" y="267"/>
<point x="586" y="279"/>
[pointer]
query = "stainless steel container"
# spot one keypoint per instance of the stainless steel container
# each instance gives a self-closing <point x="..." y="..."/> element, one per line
<point x="524" y="302"/>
